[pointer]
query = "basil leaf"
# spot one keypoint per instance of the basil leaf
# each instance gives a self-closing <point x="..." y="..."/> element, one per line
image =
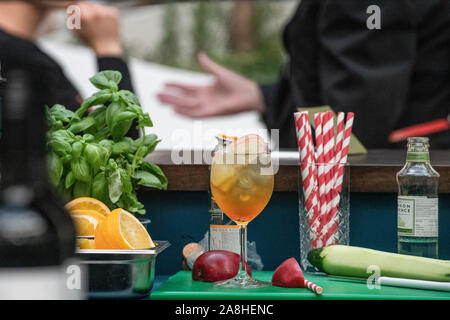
<point x="113" y="109"/>
<point x="106" y="80"/>
<point x="126" y="145"/>
<point x="129" y="97"/>
<point x="88" y="137"/>
<point x="130" y="201"/>
<point x="54" y="124"/>
<point x="135" y="108"/>
<point x="115" y="187"/>
<point x="102" y="134"/>
<point x="99" y="116"/>
<point x="70" y="180"/>
<point x="59" y="145"/>
<point x="155" y="170"/>
<point x="67" y="159"/>
<point x="126" y="181"/>
<point x="121" y="124"/>
<point x="80" y="169"/>
<point x="82" y="125"/>
<point x="144" y="121"/>
<point x="142" y="152"/>
<point x="100" y="188"/>
<point x="93" y="155"/>
<point x="107" y="150"/>
<point x="122" y="116"/>
<point x="149" y="140"/>
<point x="77" y="149"/>
<point x="60" y="113"/>
<point x="64" y="135"/>
<point x="121" y="129"/>
<point x="96" y="99"/>
<point x="148" y="179"/>
<point x="55" y="168"/>
<point x="81" y="189"/>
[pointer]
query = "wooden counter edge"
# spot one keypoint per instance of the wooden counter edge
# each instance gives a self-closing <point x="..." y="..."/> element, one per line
<point x="366" y="179"/>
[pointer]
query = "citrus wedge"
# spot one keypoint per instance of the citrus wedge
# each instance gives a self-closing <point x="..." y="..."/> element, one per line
<point x="100" y="240"/>
<point x="122" y="230"/>
<point x="87" y="203"/>
<point x="86" y="221"/>
<point x="133" y="233"/>
<point x="85" y="244"/>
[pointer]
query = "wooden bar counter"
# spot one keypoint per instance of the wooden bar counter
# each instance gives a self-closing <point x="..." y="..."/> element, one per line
<point x="373" y="172"/>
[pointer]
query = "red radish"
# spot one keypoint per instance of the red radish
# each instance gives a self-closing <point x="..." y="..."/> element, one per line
<point x="288" y="275"/>
<point x="216" y="265"/>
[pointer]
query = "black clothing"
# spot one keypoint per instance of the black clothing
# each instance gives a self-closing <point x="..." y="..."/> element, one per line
<point x="393" y="77"/>
<point x="18" y="52"/>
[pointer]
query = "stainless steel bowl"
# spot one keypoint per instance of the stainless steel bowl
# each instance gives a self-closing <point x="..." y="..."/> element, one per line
<point x="120" y="274"/>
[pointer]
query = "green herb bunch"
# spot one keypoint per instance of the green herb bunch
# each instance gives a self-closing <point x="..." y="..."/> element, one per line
<point x="90" y="154"/>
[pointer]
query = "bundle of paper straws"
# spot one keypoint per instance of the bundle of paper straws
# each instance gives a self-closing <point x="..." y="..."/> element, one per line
<point x="322" y="171"/>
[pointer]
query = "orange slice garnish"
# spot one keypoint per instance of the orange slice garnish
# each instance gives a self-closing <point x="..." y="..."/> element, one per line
<point x="87" y="203"/>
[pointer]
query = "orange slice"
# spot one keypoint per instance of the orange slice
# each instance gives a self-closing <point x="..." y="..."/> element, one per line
<point x="86" y="203"/>
<point x="86" y="221"/>
<point x="100" y="240"/>
<point x="85" y="244"/>
<point x="225" y="137"/>
<point x="122" y="230"/>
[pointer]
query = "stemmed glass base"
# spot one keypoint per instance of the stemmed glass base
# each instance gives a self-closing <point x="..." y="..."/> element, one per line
<point x="243" y="283"/>
<point x="242" y="279"/>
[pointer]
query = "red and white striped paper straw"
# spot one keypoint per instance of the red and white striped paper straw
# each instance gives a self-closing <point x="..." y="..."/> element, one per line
<point x="332" y="224"/>
<point x="328" y="150"/>
<point x="327" y="128"/>
<point x="333" y="221"/>
<point x="306" y="162"/>
<point x="313" y="287"/>
<point x="315" y="213"/>
<point x="316" y="224"/>
<point x="344" y="153"/>
<point x="339" y="141"/>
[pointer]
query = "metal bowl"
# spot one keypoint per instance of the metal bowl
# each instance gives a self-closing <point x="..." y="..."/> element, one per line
<point x="120" y="274"/>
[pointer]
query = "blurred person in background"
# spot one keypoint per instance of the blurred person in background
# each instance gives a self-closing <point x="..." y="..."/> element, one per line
<point x="19" y="26"/>
<point x="394" y="77"/>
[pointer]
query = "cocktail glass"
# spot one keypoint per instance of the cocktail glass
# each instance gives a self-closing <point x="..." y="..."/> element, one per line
<point x="242" y="182"/>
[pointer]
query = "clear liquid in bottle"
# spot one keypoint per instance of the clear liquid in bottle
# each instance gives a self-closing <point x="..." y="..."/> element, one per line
<point x="418" y="185"/>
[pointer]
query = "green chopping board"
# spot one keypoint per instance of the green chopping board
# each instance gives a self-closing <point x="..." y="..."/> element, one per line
<point x="181" y="287"/>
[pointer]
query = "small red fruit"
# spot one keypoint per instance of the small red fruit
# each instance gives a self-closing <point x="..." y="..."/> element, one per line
<point x="216" y="265"/>
<point x="288" y="275"/>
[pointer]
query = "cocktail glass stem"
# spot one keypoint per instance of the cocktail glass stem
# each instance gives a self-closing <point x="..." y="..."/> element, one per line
<point x="243" y="259"/>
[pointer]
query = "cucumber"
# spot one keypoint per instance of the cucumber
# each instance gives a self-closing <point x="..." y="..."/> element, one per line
<point x="348" y="261"/>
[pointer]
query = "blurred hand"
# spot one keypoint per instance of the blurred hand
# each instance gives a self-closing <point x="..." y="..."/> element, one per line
<point x="100" y="28"/>
<point x="231" y="93"/>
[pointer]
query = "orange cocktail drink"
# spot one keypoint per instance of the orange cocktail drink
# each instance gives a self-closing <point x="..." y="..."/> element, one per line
<point x="242" y="184"/>
<point x="240" y="190"/>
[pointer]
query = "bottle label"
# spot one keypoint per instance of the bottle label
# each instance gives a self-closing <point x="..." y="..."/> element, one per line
<point x="417" y="216"/>
<point x="417" y="156"/>
<point x="42" y="283"/>
<point x="224" y="237"/>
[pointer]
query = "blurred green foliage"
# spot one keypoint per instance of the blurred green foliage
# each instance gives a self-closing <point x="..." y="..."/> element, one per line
<point x="262" y="65"/>
<point x="210" y="33"/>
